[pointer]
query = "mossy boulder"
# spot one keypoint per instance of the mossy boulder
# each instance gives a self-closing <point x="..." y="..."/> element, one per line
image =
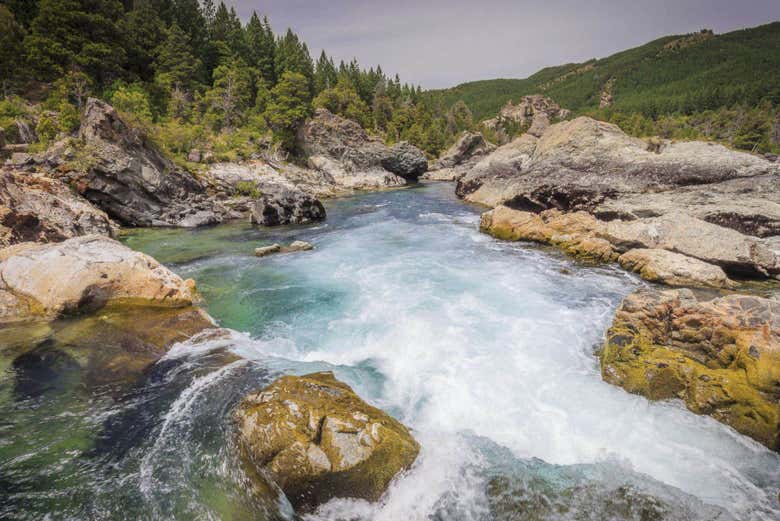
<point x="318" y="440"/>
<point x="720" y="356"/>
<point x="575" y="233"/>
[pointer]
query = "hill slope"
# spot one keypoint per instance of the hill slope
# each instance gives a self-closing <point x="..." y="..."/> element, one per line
<point x="674" y="74"/>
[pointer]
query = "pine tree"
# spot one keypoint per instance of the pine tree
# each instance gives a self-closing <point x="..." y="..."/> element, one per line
<point x="11" y="50"/>
<point x="260" y="47"/>
<point x="231" y="94"/>
<point x="325" y="75"/>
<point x="289" y="107"/>
<point x="146" y="31"/>
<point x="24" y="11"/>
<point x="175" y="66"/>
<point x="293" y="56"/>
<point x="344" y="101"/>
<point x="82" y="33"/>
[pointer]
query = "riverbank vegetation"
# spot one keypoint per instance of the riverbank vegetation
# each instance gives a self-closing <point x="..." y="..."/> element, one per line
<point x="193" y="75"/>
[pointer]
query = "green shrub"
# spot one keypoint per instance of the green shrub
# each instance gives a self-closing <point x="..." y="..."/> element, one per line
<point x="47" y="129"/>
<point x="134" y="100"/>
<point x="69" y="118"/>
<point x="248" y="188"/>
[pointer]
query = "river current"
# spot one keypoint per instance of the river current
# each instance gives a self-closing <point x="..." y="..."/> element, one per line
<point x="485" y="349"/>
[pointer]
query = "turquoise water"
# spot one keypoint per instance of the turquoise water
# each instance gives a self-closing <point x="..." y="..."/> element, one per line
<point x="485" y="349"/>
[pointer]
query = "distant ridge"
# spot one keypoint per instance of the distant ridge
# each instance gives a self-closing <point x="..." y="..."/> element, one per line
<point x="674" y="74"/>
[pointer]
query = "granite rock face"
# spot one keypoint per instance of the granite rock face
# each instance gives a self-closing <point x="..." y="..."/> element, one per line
<point x="696" y="199"/>
<point x="459" y="158"/>
<point x="318" y="440"/>
<point x="81" y="274"/>
<point x="345" y="152"/>
<point x="585" y="164"/>
<point x="720" y="356"/>
<point x="36" y="208"/>
<point x="674" y="250"/>
<point x="285" y="205"/>
<point x="534" y="111"/>
<point x="119" y="170"/>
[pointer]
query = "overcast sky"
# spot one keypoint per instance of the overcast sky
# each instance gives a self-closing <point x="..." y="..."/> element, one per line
<point x="440" y="43"/>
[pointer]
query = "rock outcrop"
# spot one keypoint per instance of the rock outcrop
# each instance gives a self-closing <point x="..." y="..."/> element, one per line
<point x="84" y="273"/>
<point x="677" y="251"/>
<point x="535" y="111"/>
<point x="459" y="158"/>
<point x="35" y="208"/>
<point x="318" y="440"/>
<point x="580" y="164"/>
<point x="698" y="199"/>
<point x="674" y="269"/>
<point x="343" y="151"/>
<point x="720" y="356"/>
<point x="119" y="170"/>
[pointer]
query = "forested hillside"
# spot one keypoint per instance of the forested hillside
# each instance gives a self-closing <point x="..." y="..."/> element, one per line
<point x="722" y="86"/>
<point x="192" y="73"/>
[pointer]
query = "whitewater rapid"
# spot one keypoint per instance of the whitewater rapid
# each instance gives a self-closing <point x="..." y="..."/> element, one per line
<point x="486" y="351"/>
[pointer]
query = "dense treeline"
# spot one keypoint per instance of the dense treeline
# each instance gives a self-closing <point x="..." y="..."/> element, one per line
<point x="194" y="74"/>
<point x="724" y="87"/>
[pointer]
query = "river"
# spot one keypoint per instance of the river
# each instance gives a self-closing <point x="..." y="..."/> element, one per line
<point x="485" y="349"/>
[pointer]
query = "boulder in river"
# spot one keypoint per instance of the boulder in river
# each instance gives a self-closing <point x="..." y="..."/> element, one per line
<point x="318" y="440"/>
<point x="285" y="205"/>
<point x="264" y="251"/>
<point x="84" y="273"/>
<point x="720" y="356"/>
<point x="40" y="209"/>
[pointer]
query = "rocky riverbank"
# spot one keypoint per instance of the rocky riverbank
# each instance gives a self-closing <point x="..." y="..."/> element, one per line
<point x="691" y="215"/>
<point x="110" y="173"/>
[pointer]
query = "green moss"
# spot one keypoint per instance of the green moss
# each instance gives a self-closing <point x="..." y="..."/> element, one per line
<point x="633" y="362"/>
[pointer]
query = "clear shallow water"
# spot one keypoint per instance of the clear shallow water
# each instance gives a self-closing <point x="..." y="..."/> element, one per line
<point x="485" y="349"/>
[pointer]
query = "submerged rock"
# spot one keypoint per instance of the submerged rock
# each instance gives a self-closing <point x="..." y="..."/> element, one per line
<point x="318" y="440"/>
<point x="84" y="273"/>
<point x="39" y="209"/>
<point x="720" y="356"/>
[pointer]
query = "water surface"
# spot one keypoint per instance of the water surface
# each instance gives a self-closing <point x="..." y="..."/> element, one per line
<point x="485" y="349"/>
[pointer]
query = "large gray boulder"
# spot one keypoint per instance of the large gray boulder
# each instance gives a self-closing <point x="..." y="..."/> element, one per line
<point x="277" y="205"/>
<point x="118" y="169"/>
<point x="581" y="164"/>
<point x="343" y="150"/>
<point x="40" y="209"/>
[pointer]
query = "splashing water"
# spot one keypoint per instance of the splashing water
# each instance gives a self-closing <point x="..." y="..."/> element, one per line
<point x="484" y="349"/>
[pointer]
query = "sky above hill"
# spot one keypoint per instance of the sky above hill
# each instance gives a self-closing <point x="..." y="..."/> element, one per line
<point x="441" y="43"/>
